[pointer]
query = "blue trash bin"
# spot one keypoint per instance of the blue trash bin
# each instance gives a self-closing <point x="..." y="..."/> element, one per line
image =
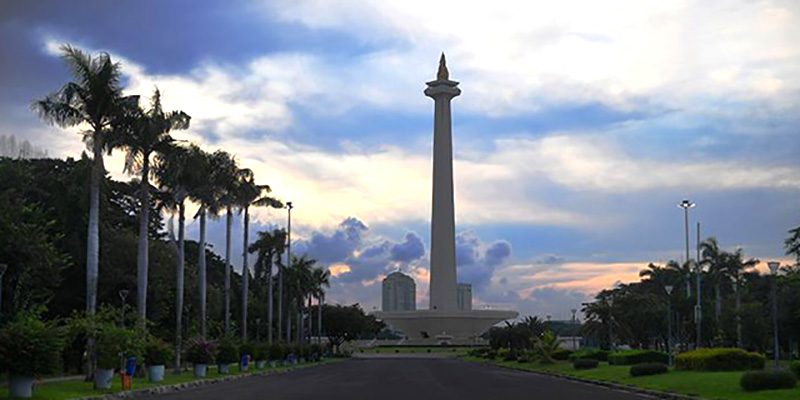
<point x="130" y="366"/>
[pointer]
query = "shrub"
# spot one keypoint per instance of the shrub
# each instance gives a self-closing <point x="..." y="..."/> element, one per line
<point x="276" y="352"/>
<point x="719" y="359"/>
<point x="491" y="355"/>
<point x="767" y="380"/>
<point x="157" y="352"/>
<point x="30" y="347"/>
<point x="589" y="353"/>
<point x="200" y="351"/>
<point x="650" y="368"/>
<point x="524" y="358"/>
<point x="479" y="352"/>
<point x="261" y="352"/>
<point x="795" y="367"/>
<point x="247" y="349"/>
<point x="631" y="357"/>
<point x="562" y="354"/>
<point x="227" y="351"/>
<point x="111" y="341"/>
<point x="585" y="363"/>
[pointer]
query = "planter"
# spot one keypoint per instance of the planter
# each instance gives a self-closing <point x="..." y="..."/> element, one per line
<point x="224" y="368"/>
<point x="102" y="378"/>
<point x="302" y="360"/>
<point x="21" y="386"/>
<point x="155" y="373"/>
<point x="242" y="368"/>
<point x="200" y="370"/>
<point x="273" y="363"/>
<point x="260" y="364"/>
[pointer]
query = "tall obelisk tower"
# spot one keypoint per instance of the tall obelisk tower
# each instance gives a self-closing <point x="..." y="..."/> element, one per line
<point x="443" y="235"/>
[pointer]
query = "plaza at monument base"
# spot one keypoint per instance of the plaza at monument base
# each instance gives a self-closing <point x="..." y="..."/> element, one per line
<point x="455" y="324"/>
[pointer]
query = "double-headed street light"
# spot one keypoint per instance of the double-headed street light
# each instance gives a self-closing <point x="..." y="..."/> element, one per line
<point x="773" y="269"/>
<point x="668" y="289"/>
<point x="698" y="310"/>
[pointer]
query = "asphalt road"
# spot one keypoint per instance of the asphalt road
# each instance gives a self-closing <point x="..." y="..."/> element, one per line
<point x="403" y="379"/>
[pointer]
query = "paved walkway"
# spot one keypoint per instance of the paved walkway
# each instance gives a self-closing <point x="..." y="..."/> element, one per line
<point x="404" y="379"/>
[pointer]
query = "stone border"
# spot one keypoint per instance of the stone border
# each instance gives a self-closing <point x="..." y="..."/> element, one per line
<point x="606" y="384"/>
<point x="179" y="387"/>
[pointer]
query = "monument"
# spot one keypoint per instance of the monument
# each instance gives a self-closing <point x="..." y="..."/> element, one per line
<point x="444" y="318"/>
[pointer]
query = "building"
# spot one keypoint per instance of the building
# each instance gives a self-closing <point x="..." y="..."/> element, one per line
<point x="399" y="292"/>
<point x="464" y="296"/>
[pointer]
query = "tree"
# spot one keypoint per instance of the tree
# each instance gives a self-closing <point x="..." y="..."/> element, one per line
<point x="345" y="323"/>
<point x="547" y="345"/>
<point x="269" y="247"/>
<point x="229" y="181"/>
<point x="144" y="134"/>
<point x="792" y="244"/>
<point x="714" y="258"/>
<point x="249" y="194"/>
<point x="736" y="267"/>
<point x="320" y="279"/>
<point x="94" y="99"/>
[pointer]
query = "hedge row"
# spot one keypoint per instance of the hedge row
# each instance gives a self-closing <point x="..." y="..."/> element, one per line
<point x="592" y="354"/>
<point x="767" y="380"/>
<point x="585" y="363"/>
<point x="631" y="357"/>
<point x="650" y="368"/>
<point x="719" y="359"/>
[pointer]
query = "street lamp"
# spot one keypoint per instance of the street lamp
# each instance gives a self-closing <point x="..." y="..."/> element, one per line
<point x="3" y="268"/>
<point x="123" y="294"/>
<point x="698" y="311"/>
<point x="773" y="269"/>
<point x="668" y="289"/>
<point x="289" y="207"/>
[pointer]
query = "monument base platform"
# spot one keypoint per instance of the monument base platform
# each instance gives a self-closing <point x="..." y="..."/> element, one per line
<point x="459" y="324"/>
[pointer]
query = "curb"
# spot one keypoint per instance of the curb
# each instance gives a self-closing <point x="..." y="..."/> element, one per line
<point x="179" y="387"/>
<point x="606" y="384"/>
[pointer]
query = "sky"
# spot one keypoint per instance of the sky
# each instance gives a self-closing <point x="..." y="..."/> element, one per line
<point x="581" y="126"/>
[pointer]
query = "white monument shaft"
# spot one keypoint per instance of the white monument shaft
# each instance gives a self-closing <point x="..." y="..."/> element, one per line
<point x="443" y="246"/>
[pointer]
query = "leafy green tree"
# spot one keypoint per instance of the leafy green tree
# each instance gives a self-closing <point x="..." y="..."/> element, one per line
<point x="345" y="323"/>
<point x="269" y="247"/>
<point x="144" y="134"/>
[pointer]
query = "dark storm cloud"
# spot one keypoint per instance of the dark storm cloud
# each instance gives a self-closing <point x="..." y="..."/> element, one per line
<point x="410" y="249"/>
<point x="337" y="246"/>
<point x="476" y="265"/>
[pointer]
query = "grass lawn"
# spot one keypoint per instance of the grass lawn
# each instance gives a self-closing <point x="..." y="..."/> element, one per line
<point x="711" y="385"/>
<point x="408" y="349"/>
<point x="78" y="388"/>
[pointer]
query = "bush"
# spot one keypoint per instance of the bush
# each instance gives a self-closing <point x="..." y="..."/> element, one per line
<point x="491" y="355"/>
<point x="585" y="363"/>
<point x="157" y="352"/>
<point x="111" y="341"/>
<point x="247" y="349"/>
<point x="227" y="352"/>
<point x="562" y="354"/>
<point x="795" y="367"/>
<point x="200" y="351"/>
<point x="719" y="359"/>
<point x="589" y="353"/>
<point x="30" y="347"/>
<point x="631" y="357"/>
<point x="276" y="352"/>
<point x="479" y="352"/>
<point x="524" y="359"/>
<point x="650" y="368"/>
<point x="767" y="380"/>
<point x="261" y="352"/>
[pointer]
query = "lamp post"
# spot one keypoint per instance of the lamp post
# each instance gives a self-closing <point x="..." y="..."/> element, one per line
<point x="686" y="205"/>
<point x="123" y="295"/>
<point x="773" y="269"/>
<point x="574" y="333"/>
<point x="668" y="289"/>
<point x="3" y="268"/>
<point x="288" y="264"/>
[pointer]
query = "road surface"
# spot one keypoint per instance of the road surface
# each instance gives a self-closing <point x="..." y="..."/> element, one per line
<point x="403" y="379"/>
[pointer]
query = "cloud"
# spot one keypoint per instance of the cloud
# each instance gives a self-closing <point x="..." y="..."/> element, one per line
<point x="410" y="249"/>
<point x="477" y="261"/>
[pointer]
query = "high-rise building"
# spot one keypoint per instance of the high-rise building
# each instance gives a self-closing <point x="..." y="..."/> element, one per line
<point x="399" y="292"/>
<point x="464" y="296"/>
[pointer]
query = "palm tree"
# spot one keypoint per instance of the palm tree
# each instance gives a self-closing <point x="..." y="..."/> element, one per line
<point x="249" y="194"/>
<point x="230" y="181"/>
<point x="144" y="134"/>
<point x="320" y="278"/>
<point x="205" y="192"/>
<point x="175" y="175"/>
<point x="714" y="258"/>
<point x="269" y="246"/>
<point x="298" y="278"/>
<point x="737" y="267"/>
<point x="94" y="99"/>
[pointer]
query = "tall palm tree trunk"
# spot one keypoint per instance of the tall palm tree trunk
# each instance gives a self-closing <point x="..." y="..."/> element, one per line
<point x="201" y="272"/>
<point x="179" y="288"/>
<point x="228" y="223"/>
<point x="310" y="318"/>
<point x="93" y="245"/>
<point x="288" y="327"/>
<point x="299" y="319"/>
<point x="320" y="299"/>
<point x="718" y="303"/>
<point x="144" y="219"/>
<point x="269" y="298"/>
<point x="280" y="303"/>
<point x="245" y="272"/>
<point x="738" y="314"/>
